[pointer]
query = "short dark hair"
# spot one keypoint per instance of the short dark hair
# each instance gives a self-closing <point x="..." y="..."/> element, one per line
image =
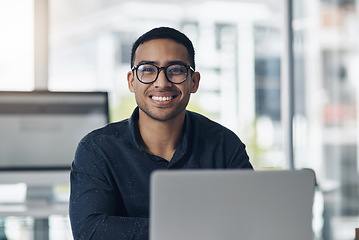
<point x="165" y="33"/>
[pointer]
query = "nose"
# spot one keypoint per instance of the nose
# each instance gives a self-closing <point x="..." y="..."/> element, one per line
<point x="162" y="80"/>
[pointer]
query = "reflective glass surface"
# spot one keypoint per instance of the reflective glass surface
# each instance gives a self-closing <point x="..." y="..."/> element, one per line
<point x="16" y="45"/>
<point x="239" y="55"/>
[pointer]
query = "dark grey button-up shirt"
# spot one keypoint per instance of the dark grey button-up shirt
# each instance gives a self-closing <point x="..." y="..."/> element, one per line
<point x="111" y="171"/>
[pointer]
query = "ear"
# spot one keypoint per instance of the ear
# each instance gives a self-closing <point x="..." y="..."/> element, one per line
<point x="131" y="81"/>
<point x="196" y="76"/>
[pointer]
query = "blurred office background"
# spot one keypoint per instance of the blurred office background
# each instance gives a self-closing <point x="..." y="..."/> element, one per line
<point x="84" y="45"/>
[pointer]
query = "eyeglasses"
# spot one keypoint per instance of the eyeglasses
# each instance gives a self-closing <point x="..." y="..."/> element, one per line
<point x="148" y="73"/>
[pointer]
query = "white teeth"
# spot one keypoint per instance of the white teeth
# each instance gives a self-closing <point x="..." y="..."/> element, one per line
<point x="161" y="99"/>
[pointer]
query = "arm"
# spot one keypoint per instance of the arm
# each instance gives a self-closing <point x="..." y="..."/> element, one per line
<point x="96" y="208"/>
<point x="239" y="158"/>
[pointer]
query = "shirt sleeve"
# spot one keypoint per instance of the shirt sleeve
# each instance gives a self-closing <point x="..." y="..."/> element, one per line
<point x="96" y="212"/>
<point x="239" y="157"/>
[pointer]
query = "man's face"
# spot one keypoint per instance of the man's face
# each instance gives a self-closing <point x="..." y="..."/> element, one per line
<point x="162" y="100"/>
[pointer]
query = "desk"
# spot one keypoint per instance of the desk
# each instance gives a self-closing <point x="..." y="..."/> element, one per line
<point x="34" y="209"/>
<point x="41" y="199"/>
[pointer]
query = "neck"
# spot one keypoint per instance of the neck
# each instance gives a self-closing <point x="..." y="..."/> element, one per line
<point x="161" y="138"/>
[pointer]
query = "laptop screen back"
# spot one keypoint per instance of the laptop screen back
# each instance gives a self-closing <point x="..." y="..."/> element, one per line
<point x="231" y="204"/>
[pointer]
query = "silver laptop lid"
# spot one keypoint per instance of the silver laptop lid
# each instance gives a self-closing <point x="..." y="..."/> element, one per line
<point x="231" y="204"/>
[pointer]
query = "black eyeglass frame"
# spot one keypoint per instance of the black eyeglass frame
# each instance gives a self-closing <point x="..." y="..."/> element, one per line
<point x="159" y="70"/>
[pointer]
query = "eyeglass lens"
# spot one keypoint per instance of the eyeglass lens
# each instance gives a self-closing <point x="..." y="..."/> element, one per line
<point x="148" y="73"/>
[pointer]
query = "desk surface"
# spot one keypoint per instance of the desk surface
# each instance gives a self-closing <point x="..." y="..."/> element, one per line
<point x="34" y="209"/>
<point x="37" y="178"/>
<point x="38" y="207"/>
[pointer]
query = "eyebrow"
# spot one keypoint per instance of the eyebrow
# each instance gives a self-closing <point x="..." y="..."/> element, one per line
<point x="167" y="63"/>
<point x="147" y="62"/>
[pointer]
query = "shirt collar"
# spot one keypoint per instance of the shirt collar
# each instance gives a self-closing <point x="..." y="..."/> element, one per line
<point x="182" y="148"/>
<point x="133" y="127"/>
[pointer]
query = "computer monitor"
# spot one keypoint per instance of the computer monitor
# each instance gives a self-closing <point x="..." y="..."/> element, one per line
<point x="41" y="130"/>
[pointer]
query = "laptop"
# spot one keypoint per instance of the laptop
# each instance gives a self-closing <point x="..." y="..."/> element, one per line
<point x="231" y="204"/>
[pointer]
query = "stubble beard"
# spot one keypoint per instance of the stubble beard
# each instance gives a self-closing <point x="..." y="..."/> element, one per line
<point x="165" y="116"/>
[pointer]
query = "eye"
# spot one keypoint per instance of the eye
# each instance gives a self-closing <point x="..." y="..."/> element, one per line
<point x="176" y="69"/>
<point x="147" y="69"/>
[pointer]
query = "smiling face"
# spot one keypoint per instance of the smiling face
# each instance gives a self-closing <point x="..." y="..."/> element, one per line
<point x="162" y="100"/>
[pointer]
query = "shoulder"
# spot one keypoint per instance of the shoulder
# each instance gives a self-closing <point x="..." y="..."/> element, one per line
<point x="110" y="131"/>
<point x="205" y="131"/>
<point x="205" y="126"/>
<point x="95" y="145"/>
<point x="221" y="143"/>
<point x="201" y="119"/>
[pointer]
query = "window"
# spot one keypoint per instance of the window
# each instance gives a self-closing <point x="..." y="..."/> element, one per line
<point x="326" y="130"/>
<point x="239" y="54"/>
<point x="16" y="45"/>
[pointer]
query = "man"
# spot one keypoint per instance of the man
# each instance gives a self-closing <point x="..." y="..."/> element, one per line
<point x="110" y="174"/>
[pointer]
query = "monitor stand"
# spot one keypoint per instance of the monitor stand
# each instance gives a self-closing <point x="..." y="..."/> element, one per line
<point x="41" y="200"/>
<point x="39" y="193"/>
